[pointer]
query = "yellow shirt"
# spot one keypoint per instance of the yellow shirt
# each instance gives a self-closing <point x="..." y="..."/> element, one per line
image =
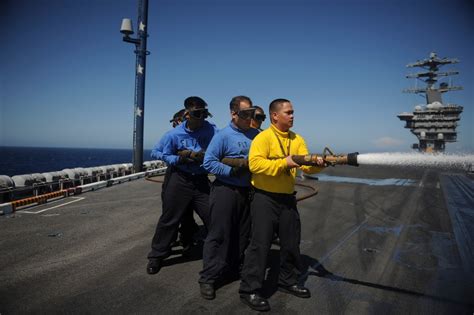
<point x="267" y="160"/>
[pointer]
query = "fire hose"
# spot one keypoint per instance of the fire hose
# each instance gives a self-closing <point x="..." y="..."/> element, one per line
<point x="328" y="158"/>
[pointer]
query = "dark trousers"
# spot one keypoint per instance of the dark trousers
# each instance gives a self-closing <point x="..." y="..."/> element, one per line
<point x="188" y="225"/>
<point x="181" y="192"/>
<point x="271" y="213"/>
<point x="229" y="231"/>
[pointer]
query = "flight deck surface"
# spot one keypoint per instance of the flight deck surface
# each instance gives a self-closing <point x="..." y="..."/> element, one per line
<point x="367" y="248"/>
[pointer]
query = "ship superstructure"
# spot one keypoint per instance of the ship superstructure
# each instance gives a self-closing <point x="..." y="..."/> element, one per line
<point x="435" y="122"/>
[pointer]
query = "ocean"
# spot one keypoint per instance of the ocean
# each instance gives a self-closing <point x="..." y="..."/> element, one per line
<point x="27" y="160"/>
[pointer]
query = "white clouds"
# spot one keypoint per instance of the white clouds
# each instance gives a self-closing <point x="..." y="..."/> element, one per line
<point x="385" y="142"/>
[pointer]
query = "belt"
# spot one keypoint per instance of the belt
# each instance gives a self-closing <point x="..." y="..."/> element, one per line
<point x="243" y="189"/>
<point x="277" y="196"/>
<point x="187" y="174"/>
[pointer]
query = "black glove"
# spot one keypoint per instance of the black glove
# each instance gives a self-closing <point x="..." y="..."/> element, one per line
<point x="188" y="156"/>
<point x="197" y="156"/>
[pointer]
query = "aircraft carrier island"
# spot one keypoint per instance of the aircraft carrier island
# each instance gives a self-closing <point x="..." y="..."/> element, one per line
<point x="374" y="240"/>
<point x="435" y="122"/>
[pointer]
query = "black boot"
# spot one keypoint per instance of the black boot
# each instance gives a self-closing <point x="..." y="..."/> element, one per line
<point x="207" y="291"/>
<point x="255" y="301"/>
<point x="295" y="290"/>
<point x="154" y="265"/>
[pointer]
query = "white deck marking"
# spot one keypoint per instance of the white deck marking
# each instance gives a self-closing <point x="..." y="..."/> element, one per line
<point x="76" y="199"/>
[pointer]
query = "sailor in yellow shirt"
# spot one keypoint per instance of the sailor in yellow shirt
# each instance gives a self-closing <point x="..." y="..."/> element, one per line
<point x="273" y="208"/>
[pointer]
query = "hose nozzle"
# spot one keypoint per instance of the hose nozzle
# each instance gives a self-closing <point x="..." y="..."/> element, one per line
<point x="349" y="159"/>
<point x="332" y="159"/>
<point x="329" y="158"/>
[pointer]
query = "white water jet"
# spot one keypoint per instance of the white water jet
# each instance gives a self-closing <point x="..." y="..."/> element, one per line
<point x="429" y="160"/>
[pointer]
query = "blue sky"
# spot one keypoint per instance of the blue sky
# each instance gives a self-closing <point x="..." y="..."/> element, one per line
<point x="67" y="79"/>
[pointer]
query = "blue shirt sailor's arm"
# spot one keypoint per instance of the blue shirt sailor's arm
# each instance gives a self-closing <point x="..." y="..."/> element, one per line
<point x="169" y="151"/>
<point x="214" y="153"/>
<point x="157" y="152"/>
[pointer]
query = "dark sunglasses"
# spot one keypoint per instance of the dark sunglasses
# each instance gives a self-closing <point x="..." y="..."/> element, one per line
<point x="246" y="113"/>
<point x="260" y="117"/>
<point x="199" y="113"/>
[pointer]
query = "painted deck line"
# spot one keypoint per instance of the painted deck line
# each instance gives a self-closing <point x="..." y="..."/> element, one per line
<point x="76" y="199"/>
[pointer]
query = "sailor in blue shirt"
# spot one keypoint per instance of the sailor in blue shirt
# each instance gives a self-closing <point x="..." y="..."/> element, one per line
<point x="193" y="142"/>
<point x="188" y="226"/>
<point x="188" y="185"/>
<point x="258" y="118"/>
<point x="228" y="232"/>
<point x="157" y="151"/>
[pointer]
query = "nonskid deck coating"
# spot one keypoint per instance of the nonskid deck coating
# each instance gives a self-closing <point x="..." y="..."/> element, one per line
<point x="367" y="249"/>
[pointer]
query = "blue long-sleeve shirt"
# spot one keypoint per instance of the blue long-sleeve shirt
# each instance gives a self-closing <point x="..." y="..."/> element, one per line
<point x="230" y="142"/>
<point x="181" y="138"/>
<point x="157" y="151"/>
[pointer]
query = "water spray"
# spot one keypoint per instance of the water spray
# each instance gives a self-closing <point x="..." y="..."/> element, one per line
<point x="396" y="159"/>
<point x="421" y="160"/>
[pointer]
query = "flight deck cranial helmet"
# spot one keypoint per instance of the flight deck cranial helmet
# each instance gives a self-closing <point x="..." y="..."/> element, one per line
<point x="178" y="118"/>
<point x="259" y="114"/>
<point x="196" y="108"/>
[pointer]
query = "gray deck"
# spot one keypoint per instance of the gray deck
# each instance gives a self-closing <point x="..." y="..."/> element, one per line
<point x="369" y="249"/>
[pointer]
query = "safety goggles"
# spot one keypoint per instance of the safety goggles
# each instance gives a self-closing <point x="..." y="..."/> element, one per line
<point x="260" y="117"/>
<point x="201" y="113"/>
<point x="246" y="113"/>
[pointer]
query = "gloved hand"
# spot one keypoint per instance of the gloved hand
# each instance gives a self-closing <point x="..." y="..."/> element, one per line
<point x="184" y="157"/>
<point x="188" y="156"/>
<point x="197" y="156"/>
<point x="184" y="153"/>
